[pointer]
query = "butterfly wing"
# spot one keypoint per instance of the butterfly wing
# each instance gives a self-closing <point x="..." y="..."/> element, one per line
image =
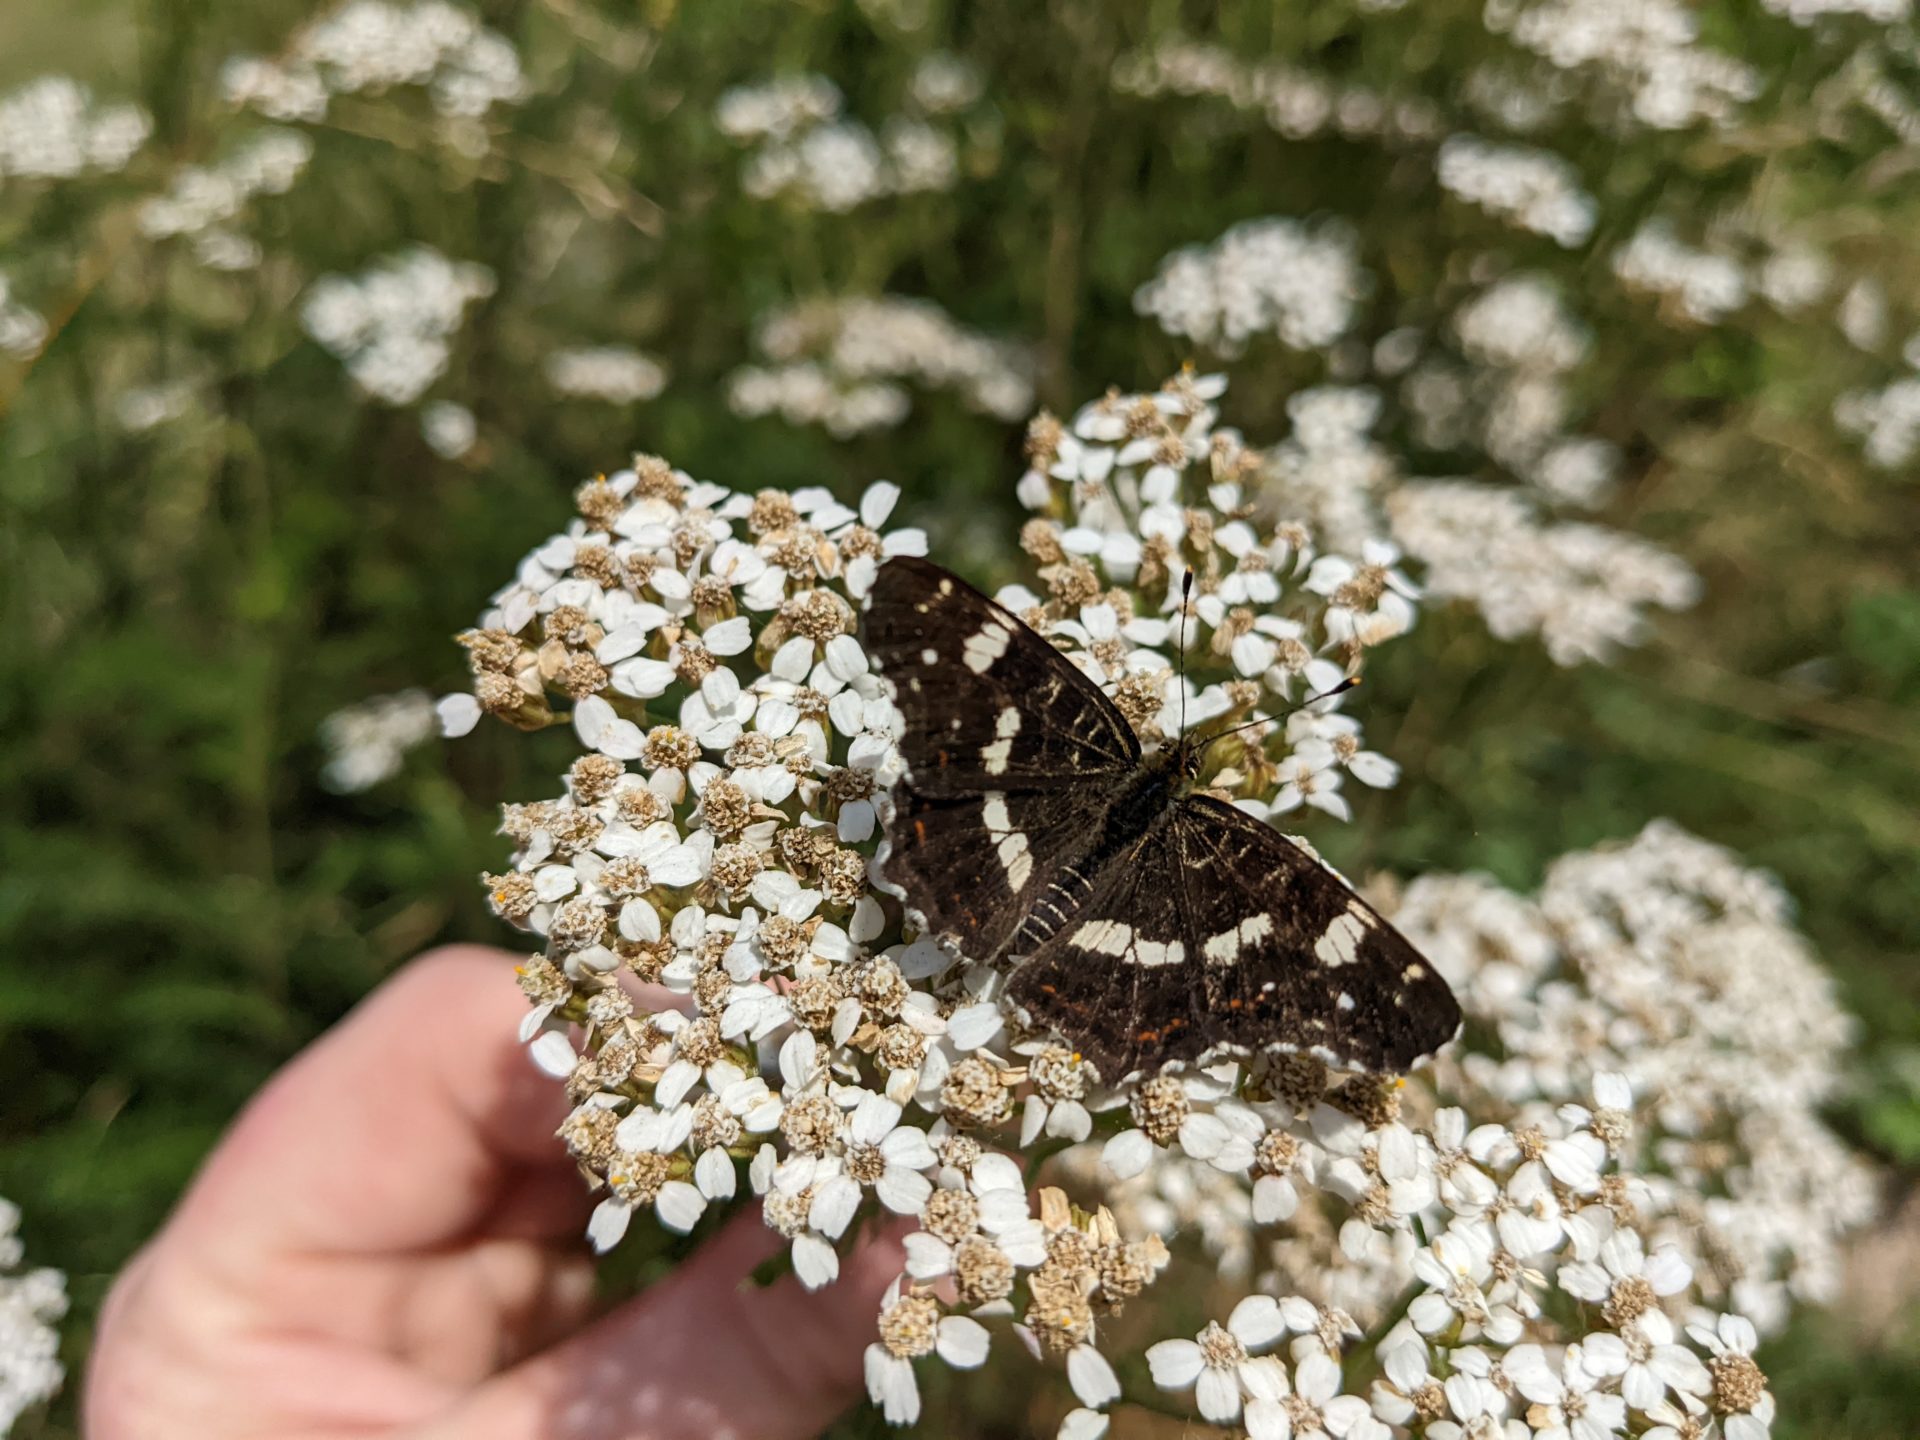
<point x="1287" y="952"/>
<point x="1011" y="753"/>
<point x="1114" y="979"/>
<point x="1221" y="936"/>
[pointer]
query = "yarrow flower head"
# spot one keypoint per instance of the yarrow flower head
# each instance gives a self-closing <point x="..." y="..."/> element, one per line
<point x="740" y="1015"/>
<point x="32" y="1303"/>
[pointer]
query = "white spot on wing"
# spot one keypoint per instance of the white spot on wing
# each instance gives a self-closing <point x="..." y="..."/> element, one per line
<point x="993" y="811"/>
<point x="985" y="646"/>
<point x="1015" y="857"/>
<point x="1340" y="945"/>
<point x="1123" y="942"/>
<point x="929" y="656"/>
<point x="1104" y="937"/>
<point x="994" y="757"/>
<point x="1150" y="953"/>
<point x="1225" y="948"/>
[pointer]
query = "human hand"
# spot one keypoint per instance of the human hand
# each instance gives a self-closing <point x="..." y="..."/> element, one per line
<point x="388" y="1244"/>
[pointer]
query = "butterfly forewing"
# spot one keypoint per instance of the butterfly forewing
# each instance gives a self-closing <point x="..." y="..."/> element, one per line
<point x="989" y="705"/>
<point x="1007" y="746"/>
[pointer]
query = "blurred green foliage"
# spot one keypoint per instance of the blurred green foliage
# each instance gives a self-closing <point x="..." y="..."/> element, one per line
<point x="182" y="905"/>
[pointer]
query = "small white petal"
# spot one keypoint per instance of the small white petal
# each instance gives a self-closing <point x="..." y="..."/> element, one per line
<point x="713" y="1172"/>
<point x="680" y="1206"/>
<point x="1175" y="1364"/>
<point x="1256" y="1321"/>
<point x="458" y="715"/>
<point x="910" y="1148"/>
<point x="1069" y="1120"/>
<point x="857" y="822"/>
<point x="1092" y="1377"/>
<point x="874" y="1117"/>
<point x="729" y="637"/>
<point x="973" y="1026"/>
<point x="834" y="1204"/>
<point x="962" y="1343"/>
<point x="1201" y="1136"/>
<point x="674" y="1083"/>
<point x="1127" y="1154"/>
<point x="1268" y="1420"/>
<point x="608" y="1223"/>
<point x="793" y="660"/>
<point x="553" y="1054"/>
<point x="928" y="1256"/>
<point x="845" y="658"/>
<point x="878" y="502"/>
<point x="891" y="1386"/>
<point x="869" y="920"/>
<point x="590" y="720"/>
<point x="903" y="1191"/>
<point x="639" y="921"/>
<point x="1274" y="1200"/>
<point x="1217" y="1393"/>
<point x="815" y="1262"/>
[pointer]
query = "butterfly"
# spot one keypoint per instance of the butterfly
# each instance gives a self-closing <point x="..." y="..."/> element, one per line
<point x="1152" y="924"/>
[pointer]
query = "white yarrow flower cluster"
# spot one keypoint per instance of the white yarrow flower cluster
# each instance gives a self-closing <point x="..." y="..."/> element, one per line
<point x="23" y="330"/>
<point x="204" y="201"/>
<point x="1273" y="276"/>
<point x="1887" y="418"/>
<point x="1293" y="102"/>
<point x="393" y="323"/>
<point x="1583" y="589"/>
<point x="1511" y="1279"/>
<point x="1544" y="1239"/>
<point x="804" y="149"/>
<point x="839" y="364"/>
<point x="1647" y="51"/>
<point x="450" y="429"/>
<point x="53" y="129"/>
<point x="1667" y="958"/>
<point x="371" y="46"/>
<point x="618" y="374"/>
<point x="805" y="1051"/>
<point x="1705" y="287"/>
<point x="366" y="743"/>
<point x="1534" y="189"/>
<point x="32" y="1303"/>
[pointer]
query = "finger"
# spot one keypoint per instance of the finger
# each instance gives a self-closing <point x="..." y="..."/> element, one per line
<point x="397" y="1130"/>
<point x="704" y="1353"/>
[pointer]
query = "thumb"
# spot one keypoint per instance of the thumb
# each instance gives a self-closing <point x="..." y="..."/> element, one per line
<point x="703" y="1353"/>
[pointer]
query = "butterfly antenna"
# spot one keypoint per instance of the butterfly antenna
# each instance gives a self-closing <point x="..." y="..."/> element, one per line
<point x="1186" y="594"/>
<point x="1345" y="685"/>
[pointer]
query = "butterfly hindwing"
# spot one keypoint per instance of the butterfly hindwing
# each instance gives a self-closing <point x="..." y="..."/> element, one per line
<point x="1286" y="956"/>
<point x="1217" y="935"/>
<point x="1113" y="979"/>
<point x="977" y="867"/>
<point x="1008" y="749"/>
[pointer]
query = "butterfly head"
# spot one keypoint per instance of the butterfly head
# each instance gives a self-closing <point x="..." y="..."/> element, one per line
<point x="1189" y="753"/>
<point x="1185" y="755"/>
